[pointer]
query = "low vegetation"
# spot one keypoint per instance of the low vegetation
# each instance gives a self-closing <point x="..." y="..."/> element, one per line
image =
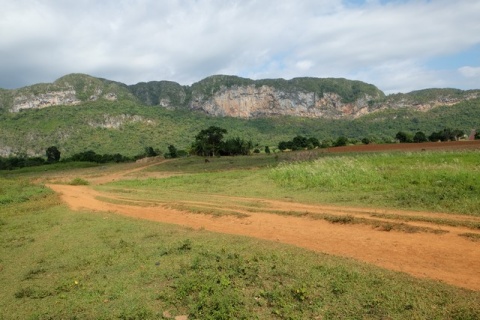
<point x="433" y="181"/>
<point x="55" y="263"/>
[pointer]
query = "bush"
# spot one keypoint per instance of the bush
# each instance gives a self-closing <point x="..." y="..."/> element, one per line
<point x="341" y="141"/>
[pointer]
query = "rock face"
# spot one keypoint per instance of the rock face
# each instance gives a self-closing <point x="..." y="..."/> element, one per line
<point x="266" y="101"/>
<point x="301" y="97"/>
<point x="116" y="122"/>
<point x="43" y="100"/>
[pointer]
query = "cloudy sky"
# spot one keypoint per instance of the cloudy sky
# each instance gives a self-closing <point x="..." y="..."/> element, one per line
<point x="398" y="45"/>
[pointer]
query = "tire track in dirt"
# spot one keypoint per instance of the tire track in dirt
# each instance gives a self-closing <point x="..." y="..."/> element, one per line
<point x="445" y="257"/>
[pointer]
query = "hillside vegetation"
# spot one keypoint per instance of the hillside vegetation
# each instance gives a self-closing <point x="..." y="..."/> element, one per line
<point x="127" y="127"/>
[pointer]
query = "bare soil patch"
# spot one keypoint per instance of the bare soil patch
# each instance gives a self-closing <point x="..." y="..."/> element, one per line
<point x="447" y="145"/>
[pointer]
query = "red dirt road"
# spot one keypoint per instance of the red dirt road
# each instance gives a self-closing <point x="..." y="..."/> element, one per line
<point x="447" y="257"/>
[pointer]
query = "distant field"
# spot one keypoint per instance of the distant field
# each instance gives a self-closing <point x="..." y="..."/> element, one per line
<point x="57" y="263"/>
<point x="441" y="181"/>
<point x="424" y="146"/>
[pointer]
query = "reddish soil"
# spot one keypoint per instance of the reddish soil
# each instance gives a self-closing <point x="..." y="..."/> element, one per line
<point x="449" y="145"/>
<point x="446" y="257"/>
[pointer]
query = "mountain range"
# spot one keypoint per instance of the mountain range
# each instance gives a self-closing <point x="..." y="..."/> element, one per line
<point x="79" y="112"/>
<point x="231" y="96"/>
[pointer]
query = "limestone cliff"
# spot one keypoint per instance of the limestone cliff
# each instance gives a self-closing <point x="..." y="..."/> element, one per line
<point x="302" y="97"/>
<point x="266" y="101"/>
<point x="42" y="100"/>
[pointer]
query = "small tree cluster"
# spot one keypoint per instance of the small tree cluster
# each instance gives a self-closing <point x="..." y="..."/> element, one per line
<point x="209" y="143"/>
<point x="15" y="162"/>
<point x="236" y="146"/>
<point x="442" y="135"/>
<point x="446" y="135"/>
<point x="91" y="156"/>
<point x="299" y="143"/>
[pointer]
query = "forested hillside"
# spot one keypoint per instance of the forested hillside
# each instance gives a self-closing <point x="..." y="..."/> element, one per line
<point x="128" y="127"/>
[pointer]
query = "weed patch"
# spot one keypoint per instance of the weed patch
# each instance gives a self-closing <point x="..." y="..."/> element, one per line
<point x="205" y="210"/>
<point x="79" y="182"/>
<point x="471" y="236"/>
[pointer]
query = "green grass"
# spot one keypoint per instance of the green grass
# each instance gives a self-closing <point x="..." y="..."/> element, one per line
<point x="437" y="181"/>
<point x="434" y="181"/>
<point x="56" y="264"/>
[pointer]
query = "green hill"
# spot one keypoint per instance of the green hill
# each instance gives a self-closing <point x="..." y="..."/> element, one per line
<point x="111" y="117"/>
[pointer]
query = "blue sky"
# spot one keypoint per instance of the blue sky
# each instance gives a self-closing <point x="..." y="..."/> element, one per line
<point x="398" y="45"/>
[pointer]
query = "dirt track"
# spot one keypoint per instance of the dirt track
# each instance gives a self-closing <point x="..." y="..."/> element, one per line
<point x="446" y="256"/>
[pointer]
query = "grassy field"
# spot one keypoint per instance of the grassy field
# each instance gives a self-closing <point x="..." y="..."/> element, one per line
<point x="59" y="264"/>
<point x="446" y="181"/>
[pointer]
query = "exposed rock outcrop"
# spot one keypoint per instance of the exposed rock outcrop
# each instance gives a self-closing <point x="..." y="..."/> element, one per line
<point x="43" y="100"/>
<point x="265" y="101"/>
<point x="115" y="122"/>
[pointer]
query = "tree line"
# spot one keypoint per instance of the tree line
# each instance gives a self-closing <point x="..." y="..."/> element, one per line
<point x="211" y="142"/>
<point x="446" y="134"/>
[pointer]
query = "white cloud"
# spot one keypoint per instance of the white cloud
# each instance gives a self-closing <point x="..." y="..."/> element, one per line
<point x="185" y="40"/>
<point x="470" y="72"/>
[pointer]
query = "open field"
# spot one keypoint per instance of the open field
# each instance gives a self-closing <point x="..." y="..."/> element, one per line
<point x="424" y="146"/>
<point x="87" y="260"/>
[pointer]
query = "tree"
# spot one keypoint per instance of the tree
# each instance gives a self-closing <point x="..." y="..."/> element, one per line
<point x="235" y="146"/>
<point x="402" y="137"/>
<point x="208" y="141"/>
<point x="341" y="141"/>
<point x="457" y="134"/>
<point x="366" y="140"/>
<point x="282" y="145"/>
<point x="149" y="152"/>
<point x="172" y="152"/>
<point x="53" y="154"/>
<point x="313" y="143"/>
<point x="420" y="137"/>
<point x="435" y="136"/>
<point x="299" y="143"/>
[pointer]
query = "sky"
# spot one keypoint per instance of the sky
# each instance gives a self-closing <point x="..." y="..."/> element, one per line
<point x="397" y="45"/>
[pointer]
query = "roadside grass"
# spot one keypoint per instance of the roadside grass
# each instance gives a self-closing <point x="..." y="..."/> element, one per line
<point x="57" y="264"/>
<point x="434" y="181"/>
